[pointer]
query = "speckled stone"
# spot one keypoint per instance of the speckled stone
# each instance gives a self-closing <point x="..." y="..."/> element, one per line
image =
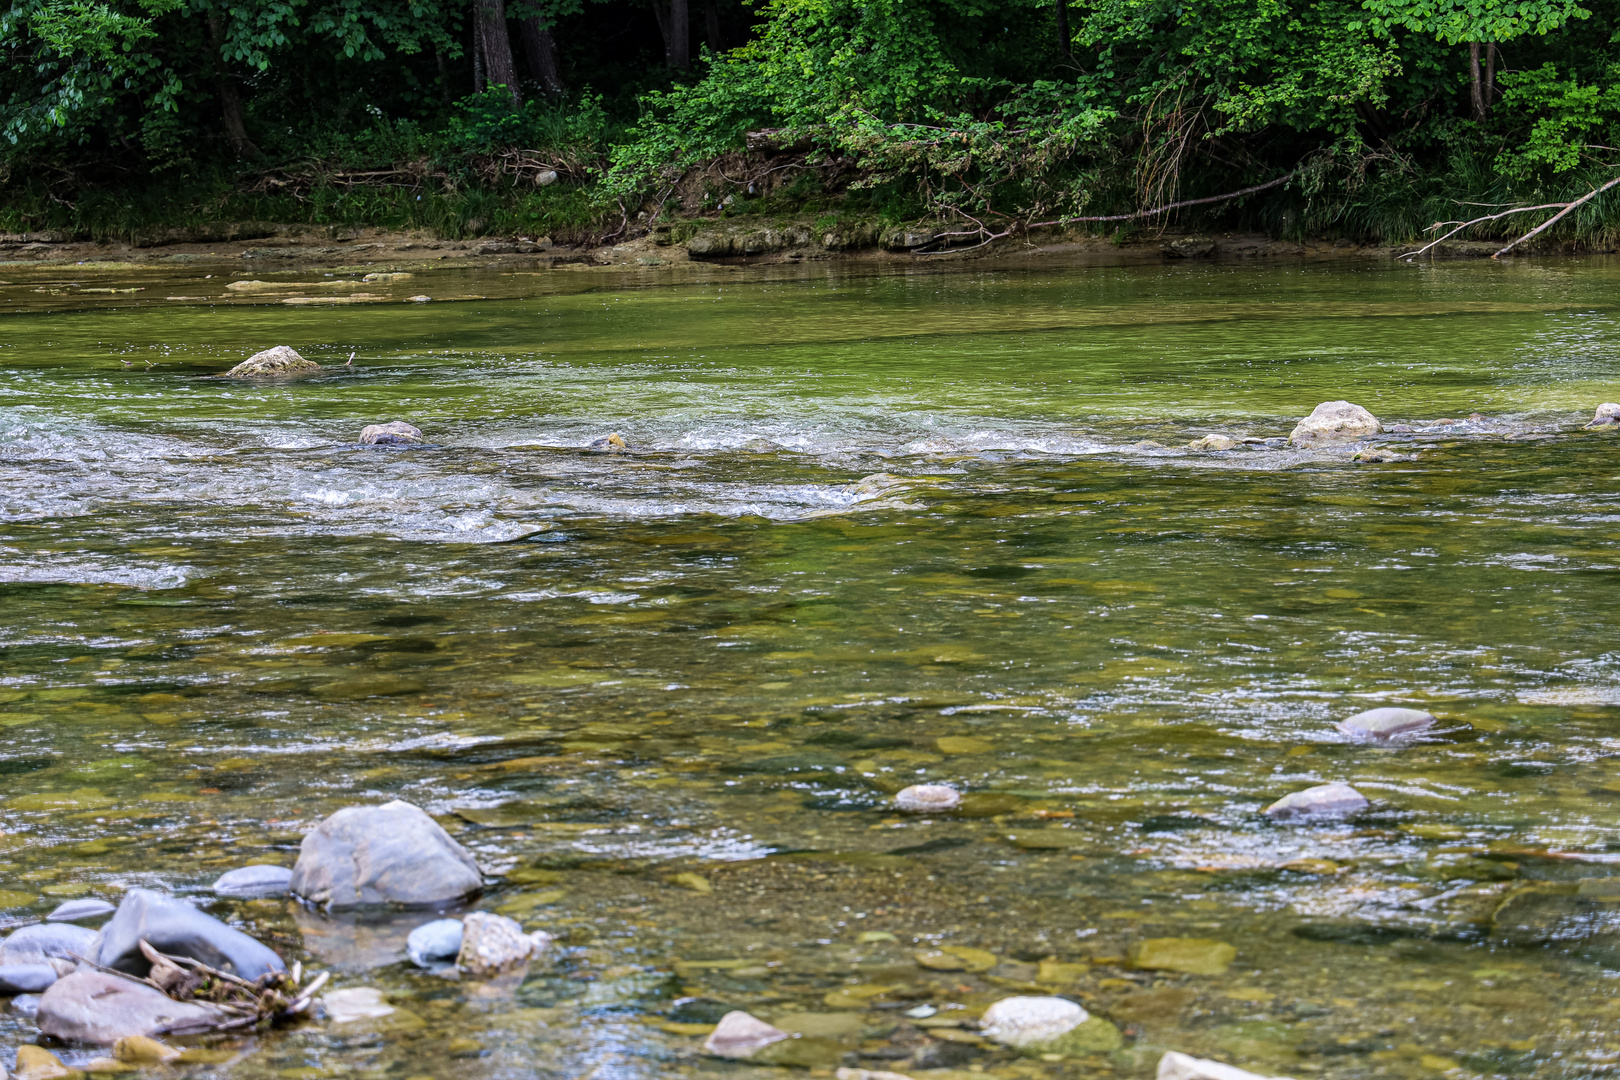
<point x="1026" y="1021"/>
<point x="928" y="798"/>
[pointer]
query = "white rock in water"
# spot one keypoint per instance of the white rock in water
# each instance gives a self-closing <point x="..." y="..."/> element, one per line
<point x="433" y="943"/>
<point x="1334" y="422"/>
<point x="358" y="1003"/>
<point x="278" y="362"/>
<point x="739" y="1035"/>
<point x="491" y="944"/>
<point x="1608" y="413"/>
<point x="393" y="433"/>
<point x="1025" y="1021"/>
<point x="1178" y="1066"/>
<point x="1323" y="800"/>
<point x="925" y="798"/>
<point x="1386" y="725"/>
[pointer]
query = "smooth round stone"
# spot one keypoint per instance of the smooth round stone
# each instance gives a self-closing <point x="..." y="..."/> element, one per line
<point x="1386" y="725"/>
<point x="1323" y="800"/>
<point x="1334" y="422"/>
<point x="78" y="910"/>
<point x="928" y="798"/>
<point x="1026" y="1021"/>
<point x="26" y="978"/>
<point x="253" y="881"/>
<point x="740" y="1035"/>
<point x="434" y="943"/>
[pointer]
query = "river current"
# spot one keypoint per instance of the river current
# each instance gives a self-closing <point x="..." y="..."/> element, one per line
<point x="873" y="528"/>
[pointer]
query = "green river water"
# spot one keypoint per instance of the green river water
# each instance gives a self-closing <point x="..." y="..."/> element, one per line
<point x="873" y="528"/>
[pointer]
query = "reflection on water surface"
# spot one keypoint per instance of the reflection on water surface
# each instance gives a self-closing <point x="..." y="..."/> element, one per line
<point x="871" y="530"/>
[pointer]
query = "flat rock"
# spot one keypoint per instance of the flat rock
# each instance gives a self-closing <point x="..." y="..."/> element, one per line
<point x="87" y="907"/>
<point x="491" y="944"/>
<point x="253" y="881"/>
<point x="1194" y="956"/>
<point x="393" y="433"/>
<point x="1608" y="413"/>
<point x="434" y="943"/>
<point x="92" y="1007"/>
<point x="279" y="362"/>
<point x="928" y="798"/>
<point x="740" y="1035"/>
<point x="1213" y="442"/>
<point x="392" y="853"/>
<point x="1323" y="800"/>
<point x="58" y="944"/>
<point x="1094" y="1036"/>
<point x="1027" y="1021"/>
<point x="175" y="927"/>
<point x="355" y="1003"/>
<point x="1386" y="725"/>
<point x="1334" y="422"/>
<point x="38" y="1063"/>
<point x="26" y="978"/>
<point x="1178" y="1066"/>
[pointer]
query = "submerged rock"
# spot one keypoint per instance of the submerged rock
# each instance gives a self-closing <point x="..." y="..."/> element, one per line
<point x="178" y="929"/>
<point x="1178" y="1066"/>
<point x="60" y="945"/>
<point x="1323" y="800"/>
<point x="393" y="433"/>
<point x="1607" y="414"/>
<point x="928" y="798"/>
<point x="1028" y="1021"/>
<point x="491" y="944"/>
<point x="87" y="907"/>
<point x="1213" y="442"/>
<point x="278" y="363"/>
<point x="1386" y="725"/>
<point x="143" y="1050"/>
<point x="611" y="444"/>
<point x="26" y="978"/>
<point x="253" y="881"/>
<point x="739" y="1035"/>
<point x="1194" y="956"/>
<point x="355" y="1003"/>
<point x="434" y="943"/>
<point x="92" y="1007"/>
<point x="389" y="854"/>
<point x="1334" y="422"/>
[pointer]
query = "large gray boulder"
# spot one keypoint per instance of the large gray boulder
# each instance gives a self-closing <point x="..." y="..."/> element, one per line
<point x="89" y="1006"/>
<point x="1607" y="415"/>
<point x="389" y="854"/>
<point x="1334" y="422"/>
<point x="175" y="927"/>
<point x="279" y="362"/>
<point x="60" y="945"/>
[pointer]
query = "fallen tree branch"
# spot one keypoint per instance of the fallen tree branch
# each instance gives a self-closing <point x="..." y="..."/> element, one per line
<point x="1564" y="210"/>
<point x="1461" y="225"/>
<point x="1550" y="222"/>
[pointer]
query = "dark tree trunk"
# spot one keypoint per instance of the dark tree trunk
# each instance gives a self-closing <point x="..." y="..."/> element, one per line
<point x="489" y="17"/>
<point x="540" y="47"/>
<point x="1063" y="29"/>
<point x="674" y="22"/>
<point x="1476" y="85"/>
<point x="711" y="23"/>
<point x="1490" y="77"/>
<point x="444" y="76"/>
<point x="478" y="61"/>
<point x="230" y="102"/>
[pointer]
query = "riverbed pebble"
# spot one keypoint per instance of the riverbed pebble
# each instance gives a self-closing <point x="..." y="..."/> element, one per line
<point x="1027" y="1021"/>
<point x="1334" y="422"/>
<point x="393" y="433"/>
<point x="178" y="929"/>
<point x="26" y="978"/>
<point x="740" y="1035"/>
<point x="1178" y="1066"/>
<point x="1607" y="414"/>
<point x="253" y="881"/>
<point x="1323" y="800"/>
<point x="928" y="798"/>
<point x="491" y="944"/>
<point x="392" y="853"/>
<point x="58" y="944"/>
<point x="92" y="1007"/>
<point x="86" y="907"/>
<point x="274" y="363"/>
<point x="1386" y="725"/>
<point x="434" y="943"/>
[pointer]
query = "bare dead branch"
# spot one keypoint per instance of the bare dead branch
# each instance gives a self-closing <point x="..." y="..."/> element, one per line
<point x="1550" y="222"/>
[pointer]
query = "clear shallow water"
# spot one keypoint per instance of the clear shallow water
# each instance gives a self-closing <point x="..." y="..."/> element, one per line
<point x="861" y="515"/>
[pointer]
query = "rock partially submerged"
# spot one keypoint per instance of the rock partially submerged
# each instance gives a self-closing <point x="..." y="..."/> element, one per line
<point x="87" y="907"/>
<point x="1334" y="422"/>
<point x="1213" y="442"/>
<point x="393" y="433"/>
<point x="492" y="944"/>
<point x="92" y="1007"/>
<point x="1029" y="1021"/>
<point x="928" y="798"/>
<point x="176" y="928"/>
<point x="1323" y="800"/>
<point x="740" y="1036"/>
<point x="610" y="444"/>
<point x="1178" y="1066"/>
<point x="253" y="881"/>
<point x="1386" y="725"/>
<point x="59" y="945"/>
<point x="355" y="1003"/>
<point x="1607" y="414"/>
<point x="26" y="978"/>
<point x="434" y="944"/>
<point x="389" y="854"/>
<point x="279" y="362"/>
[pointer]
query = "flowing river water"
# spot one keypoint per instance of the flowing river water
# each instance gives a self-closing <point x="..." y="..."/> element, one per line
<point x="873" y="528"/>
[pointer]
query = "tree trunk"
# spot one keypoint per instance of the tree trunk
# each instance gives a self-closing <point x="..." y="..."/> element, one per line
<point x="540" y="47"/>
<point x="444" y="76"/>
<point x="674" y="22"/>
<point x="230" y="103"/>
<point x="478" y="61"/>
<point x="711" y="23"/>
<point x="1490" y="77"/>
<point x="1063" y="29"/>
<point x="1476" y="86"/>
<point x="496" y="45"/>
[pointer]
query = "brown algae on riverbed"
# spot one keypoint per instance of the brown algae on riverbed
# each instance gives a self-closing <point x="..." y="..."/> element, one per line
<point x="717" y="657"/>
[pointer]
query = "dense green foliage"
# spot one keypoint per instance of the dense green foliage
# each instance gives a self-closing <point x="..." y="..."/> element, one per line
<point x="1385" y="114"/>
